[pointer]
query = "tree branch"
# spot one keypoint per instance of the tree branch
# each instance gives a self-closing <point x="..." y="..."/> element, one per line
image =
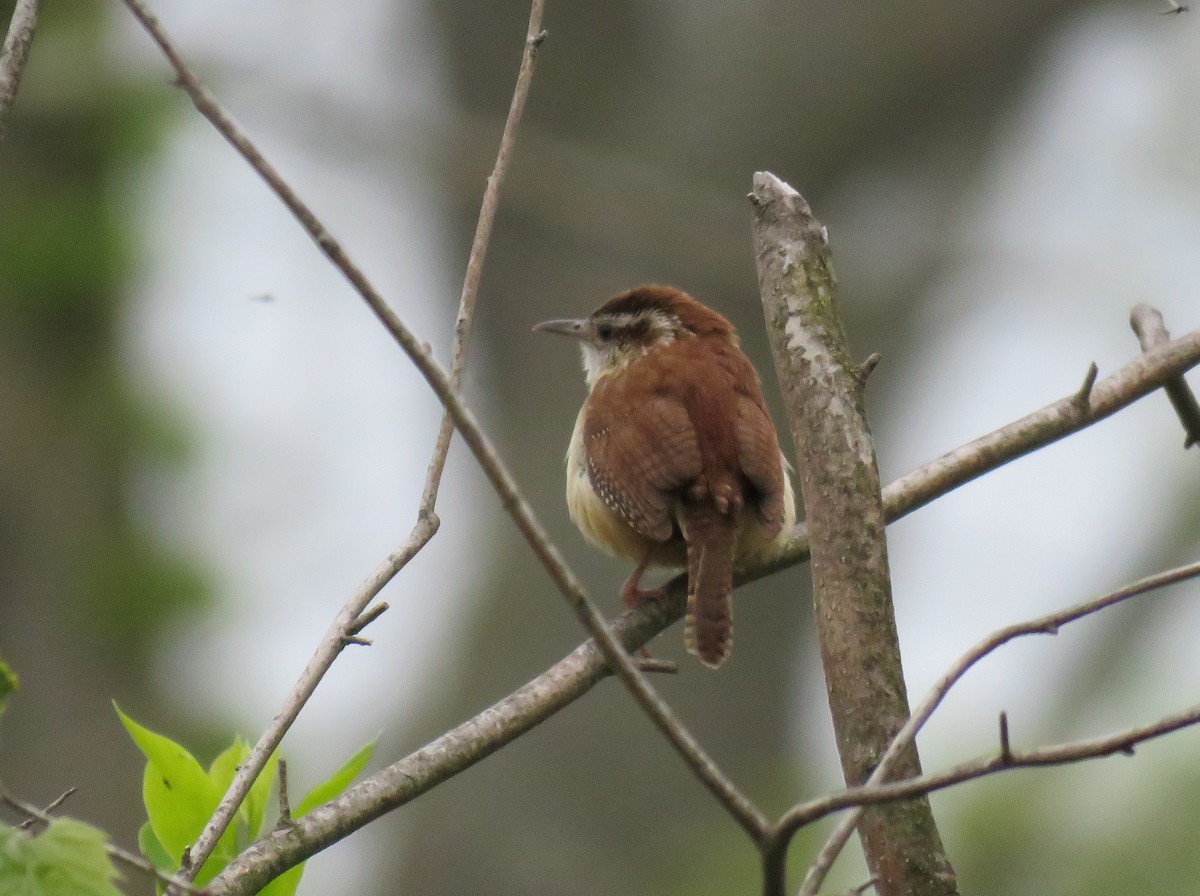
<point x="116" y="853"/>
<point x="489" y="460"/>
<point x="1042" y="625"/>
<point x="14" y="54"/>
<point x="534" y="35"/>
<point x="350" y="619"/>
<point x="843" y="506"/>
<point x="442" y="758"/>
<point x="1057" y="754"/>
<point x="1147" y="323"/>
<point x="574" y="676"/>
<point x="346" y="624"/>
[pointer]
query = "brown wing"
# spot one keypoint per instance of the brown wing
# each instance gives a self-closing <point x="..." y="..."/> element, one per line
<point x="638" y="463"/>
<point x="761" y="463"/>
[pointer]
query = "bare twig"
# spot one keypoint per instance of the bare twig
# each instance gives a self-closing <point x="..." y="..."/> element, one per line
<point x="489" y="460"/>
<point x="285" y="802"/>
<point x="32" y="813"/>
<point x="442" y="758"/>
<point x="1083" y="398"/>
<point x="1005" y="744"/>
<point x="513" y="502"/>
<point x="327" y="651"/>
<point x="843" y="505"/>
<point x="55" y="803"/>
<point x="534" y="35"/>
<point x="574" y="676"/>
<point x="1147" y="323"/>
<point x="1136" y="379"/>
<point x="1123" y="742"/>
<point x="15" y="53"/>
<point x="367" y="617"/>
<point x="865" y="369"/>
<point x="1047" y="624"/>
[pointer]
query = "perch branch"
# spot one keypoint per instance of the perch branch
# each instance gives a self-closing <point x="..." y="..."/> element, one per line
<point x="574" y="676"/>
<point x="442" y="758"/>
<point x="489" y="460"/>
<point x="14" y="54"/>
<point x="844" y="512"/>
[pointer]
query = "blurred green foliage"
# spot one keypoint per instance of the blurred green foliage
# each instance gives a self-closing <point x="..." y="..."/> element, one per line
<point x="76" y="431"/>
<point x="66" y="859"/>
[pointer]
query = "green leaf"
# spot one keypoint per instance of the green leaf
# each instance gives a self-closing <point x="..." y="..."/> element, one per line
<point x="8" y="683"/>
<point x="179" y="795"/>
<point x="67" y="859"/>
<point x="224" y="767"/>
<point x="285" y="884"/>
<point x="255" y="806"/>
<point x="153" y="850"/>
<point x="337" y="782"/>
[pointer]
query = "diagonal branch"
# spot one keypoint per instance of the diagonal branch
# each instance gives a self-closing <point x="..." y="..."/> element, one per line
<point x="1043" y="625"/>
<point x="15" y="53"/>
<point x="347" y="624"/>
<point x="573" y="677"/>
<point x="349" y="619"/>
<point x="453" y="752"/>
<point x="749" y="816"/>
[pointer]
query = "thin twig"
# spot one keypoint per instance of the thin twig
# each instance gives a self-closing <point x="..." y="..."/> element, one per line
<point x="1005" y="743"/>
<point x="285" y="802"/>
<point x="1047" y="624"/>
<point x="446" y="756"/>
<point x="54" y="804"/>
<point x="534" y="35"/>
<point x="327" y="651"/>
<point x="368" y="616"/>
<point x="748" y="815"/>
<point x="574" y="676"/>
<point x="15" y="53"/>
<point x="865" y="369"/>
<point x="1123" y="742"/>
<point x="1147" y="323"/>
<point x="32" y="813"/>
<point x="1083" y="397"/>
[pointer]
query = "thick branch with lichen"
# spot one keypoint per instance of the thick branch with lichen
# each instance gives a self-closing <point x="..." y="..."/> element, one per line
<point x="839" y="479"/>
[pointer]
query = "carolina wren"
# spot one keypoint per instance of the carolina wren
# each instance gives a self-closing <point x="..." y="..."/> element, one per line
<point x="674" y="460"/>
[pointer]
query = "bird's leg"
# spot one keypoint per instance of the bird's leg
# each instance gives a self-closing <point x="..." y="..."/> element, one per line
<point x="632" y="593"/>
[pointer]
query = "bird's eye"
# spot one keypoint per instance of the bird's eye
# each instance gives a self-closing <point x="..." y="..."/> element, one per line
<point x="605" y="331"/>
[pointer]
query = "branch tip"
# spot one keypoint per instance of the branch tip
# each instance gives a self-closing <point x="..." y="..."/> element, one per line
<point x="367" y="617"/>
<point x="1084" y="395"/>
<point x="868" y="365"/>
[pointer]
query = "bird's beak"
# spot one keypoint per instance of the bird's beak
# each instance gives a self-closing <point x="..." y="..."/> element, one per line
<point x="576" y="328"/>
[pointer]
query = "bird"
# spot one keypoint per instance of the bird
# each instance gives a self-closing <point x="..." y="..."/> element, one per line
<point x="674" y="460"/>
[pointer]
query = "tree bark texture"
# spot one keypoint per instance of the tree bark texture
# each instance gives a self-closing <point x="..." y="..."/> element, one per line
<point x="839" y="481"/>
